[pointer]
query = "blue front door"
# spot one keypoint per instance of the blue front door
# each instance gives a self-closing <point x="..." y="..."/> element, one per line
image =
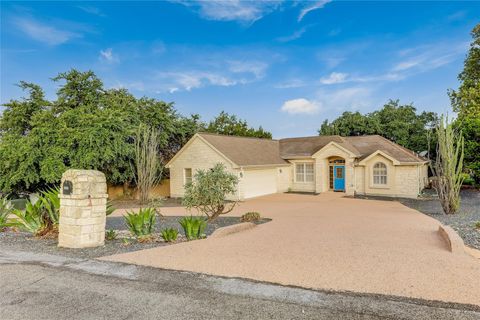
<point x="339" y="178"/>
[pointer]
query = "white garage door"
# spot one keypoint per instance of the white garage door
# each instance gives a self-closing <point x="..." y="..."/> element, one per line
<point x="259" y="182"/>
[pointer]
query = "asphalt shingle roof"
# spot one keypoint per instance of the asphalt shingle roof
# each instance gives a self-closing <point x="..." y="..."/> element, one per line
<point x="245" y="151"/>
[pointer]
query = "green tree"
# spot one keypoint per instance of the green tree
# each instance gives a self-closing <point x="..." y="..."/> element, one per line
<point x="466" y="102"/>
<point x="396" y="122"/>
<point x="87" y="126"/>
<point x="230" y="125"/>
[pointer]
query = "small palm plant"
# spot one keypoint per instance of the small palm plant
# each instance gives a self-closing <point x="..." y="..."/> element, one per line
<point x="193" y="227"/>
<point x="142" y="223"/>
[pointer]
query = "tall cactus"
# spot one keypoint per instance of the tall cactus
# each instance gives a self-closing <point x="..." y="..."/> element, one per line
<point x="448" y="166"/>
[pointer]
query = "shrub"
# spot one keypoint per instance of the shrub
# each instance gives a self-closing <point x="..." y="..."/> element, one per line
<point x="251" y="216"/>
<point x="477" y="225"/>
<point x="5" y="210"/>
<point x="142" y="223"/>
<point x="169" y="234"/>
<point x="209" y="190"/>
<point x="193" y="227"/>
<point x="111" y="234"/>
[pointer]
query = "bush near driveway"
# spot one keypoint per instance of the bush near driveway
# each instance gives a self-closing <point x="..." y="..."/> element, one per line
<point x="208" y="191"/>
<point x="251" y="216"/>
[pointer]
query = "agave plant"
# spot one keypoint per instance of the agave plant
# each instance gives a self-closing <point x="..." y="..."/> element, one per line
<point x="142" y="223"/>
<point x="5" y="210"/>
<point x="30" y="219"/>
<point x="169" y="234"/>
<point x="51" y="206"/>
<point x="110" y="208"/>
<point x="193" y="227"/>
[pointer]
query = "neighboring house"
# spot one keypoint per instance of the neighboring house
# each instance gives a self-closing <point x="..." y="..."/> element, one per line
<point x="366" y="165"/>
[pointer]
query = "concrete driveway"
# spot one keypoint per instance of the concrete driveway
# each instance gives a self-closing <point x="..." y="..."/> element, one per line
<point x="330" y="242"/>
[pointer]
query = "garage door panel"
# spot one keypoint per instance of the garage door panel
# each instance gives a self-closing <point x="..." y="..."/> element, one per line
<point x="259" y="182"/>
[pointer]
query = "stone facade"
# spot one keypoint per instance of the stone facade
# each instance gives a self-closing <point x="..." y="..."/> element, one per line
<point x="83" y="211"/>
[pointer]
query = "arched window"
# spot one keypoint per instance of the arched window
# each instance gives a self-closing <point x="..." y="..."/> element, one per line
<point x="380" y="173"/>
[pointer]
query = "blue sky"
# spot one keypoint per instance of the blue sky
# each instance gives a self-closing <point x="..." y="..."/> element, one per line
<point x="285" y="65"/>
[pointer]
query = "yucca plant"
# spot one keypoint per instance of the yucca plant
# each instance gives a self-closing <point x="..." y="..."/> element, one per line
<point x="5" y="210"/>
<point x="142" y="223"/>
<point x="169" y="234"/>
<point x="193" y="227"/>
<point x="30" y="219"/>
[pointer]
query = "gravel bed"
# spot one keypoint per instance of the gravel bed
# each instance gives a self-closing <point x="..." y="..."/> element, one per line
<point x="463" y="222"/>
<point x="22" y="241"/>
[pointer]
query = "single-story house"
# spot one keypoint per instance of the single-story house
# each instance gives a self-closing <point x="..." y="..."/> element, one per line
<point x="364" y="165"/>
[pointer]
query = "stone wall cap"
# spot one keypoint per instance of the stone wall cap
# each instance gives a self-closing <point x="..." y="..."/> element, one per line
<point x="83" y="196"/>
<point x="75" y="173"/>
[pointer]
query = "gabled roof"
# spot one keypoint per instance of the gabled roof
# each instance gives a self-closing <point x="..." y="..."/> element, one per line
<point x="291" y="148"/>
<point x="367" y="145"/>
<point x="245" y="151"/>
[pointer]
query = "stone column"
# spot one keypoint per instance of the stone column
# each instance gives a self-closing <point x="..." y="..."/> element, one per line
<point x="83" y="207"/>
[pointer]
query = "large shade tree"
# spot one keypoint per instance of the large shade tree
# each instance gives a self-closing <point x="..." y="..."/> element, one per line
<point x="87" y="126"/>
<point x="466" y="102"/>
<point x="231" y="125"/>
<point x="394" y="121"/>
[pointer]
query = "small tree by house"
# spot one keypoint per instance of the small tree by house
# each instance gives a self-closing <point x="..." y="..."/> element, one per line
<point x="148" y="165"/>
<point x="209" y="190"/>
<point x="447" y="168"/>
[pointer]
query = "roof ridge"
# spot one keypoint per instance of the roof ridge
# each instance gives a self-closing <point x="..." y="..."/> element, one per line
<point x="402" y="148"/>
<point x="312" y="137"/>
<point x="233" y="136"/>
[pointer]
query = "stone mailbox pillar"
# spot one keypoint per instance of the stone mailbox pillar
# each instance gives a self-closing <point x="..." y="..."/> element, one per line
<point x="83" y="206"/>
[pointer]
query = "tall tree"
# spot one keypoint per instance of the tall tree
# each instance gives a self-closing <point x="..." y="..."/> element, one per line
<point x="230" y="125"/>
<point x="466" y="102"/>
<point x="87" y="126"/>
<point x="396" y="122"/>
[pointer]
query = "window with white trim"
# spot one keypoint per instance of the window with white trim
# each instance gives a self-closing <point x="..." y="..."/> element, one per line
<point x="304" y="172"/>
<point x="380" y="173"/>
<point x="187" y="175"/>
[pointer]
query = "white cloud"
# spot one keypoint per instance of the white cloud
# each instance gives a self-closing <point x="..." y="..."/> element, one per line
<point x="334" y="78"/>
<point x="108" y="56"/>
<point x="293" y="83"/>
<point x="44" y="33"/>
<point x="300" y="106"/>
<point x="317" y="5"/>
<point x="175" y="81"/>
<point x="92" y="10"/>
<point x="232" y="10"/>
<point x="428" y="57"/>
<point x="296" y="35"/>
<point x="257" y="68"/>
<point x="352" y="98"/>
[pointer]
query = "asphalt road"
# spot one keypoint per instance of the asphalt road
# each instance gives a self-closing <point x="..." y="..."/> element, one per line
<point x="36" y="286"/>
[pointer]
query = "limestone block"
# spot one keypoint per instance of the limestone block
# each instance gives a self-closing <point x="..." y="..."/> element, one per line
<point x="83" y="210"/>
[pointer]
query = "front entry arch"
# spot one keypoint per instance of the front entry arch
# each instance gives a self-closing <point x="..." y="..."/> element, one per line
<point x="336" y="174"/>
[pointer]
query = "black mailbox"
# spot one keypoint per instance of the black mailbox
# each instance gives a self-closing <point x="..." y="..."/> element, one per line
<point x="67" y="187"/>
